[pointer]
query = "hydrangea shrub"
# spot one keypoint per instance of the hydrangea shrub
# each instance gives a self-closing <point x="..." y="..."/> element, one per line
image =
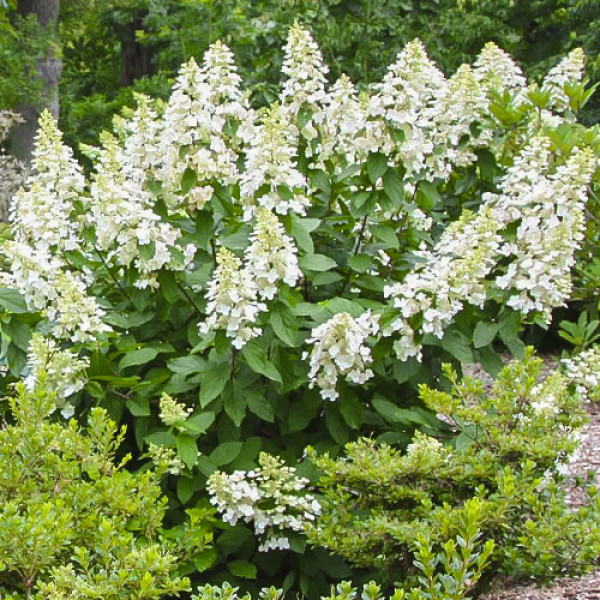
<point x="289" y="275"/>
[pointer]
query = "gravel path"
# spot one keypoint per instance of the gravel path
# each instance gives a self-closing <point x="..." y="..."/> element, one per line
<point x="588" y="459"/>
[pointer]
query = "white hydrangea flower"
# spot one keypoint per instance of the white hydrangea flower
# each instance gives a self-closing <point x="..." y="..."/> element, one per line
<point x="204" y="102"/>
<point x="305" y="71"/>
<point x="462" y="104"/>
<point x="271" y="256"/>
<point x="550" y="209"/>
<point x="496" y="70"/>
<point x="166" y="459"/>
<point x="273" y="497"/>
<point x="64" y="370"/>
<point x="270" y="161"/>
<point x="42" y="215"/>
<point x="583" y="370"/>
<point x="126" y="227"/>
<point x="406" y="99"/>
<point x="233" y="303"/>
<point x="344" y="125"/>
<point x="568" y="71"/>
<point x="339" y="349"/>
<point x="453" y="273"/>
<point x="172" y="412"/>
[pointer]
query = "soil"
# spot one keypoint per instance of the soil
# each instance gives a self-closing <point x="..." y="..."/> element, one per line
<point x="586" y="587"/>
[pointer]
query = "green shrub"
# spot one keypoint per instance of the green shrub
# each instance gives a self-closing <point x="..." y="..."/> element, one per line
<point x="506" y="452"/>
<point x="73" y="522"/>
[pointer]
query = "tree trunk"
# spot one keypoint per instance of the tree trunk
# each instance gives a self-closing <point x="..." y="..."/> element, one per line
<point x="136" y="58"/>
<point x="49" y="70"/>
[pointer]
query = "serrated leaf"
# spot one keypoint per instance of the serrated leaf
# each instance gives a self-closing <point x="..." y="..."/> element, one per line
<point x="186" y="365"/>
<point x="213" y="382"/>
<point x="316" y="262"/>
<point x="242" y="568"/>
<point x="457" y="344"/>
<point x="260" y="406"/>
<point x="392" y="186"/>
<point x="302" y="236"/>
<point x="188" y="180"/>
<point x="198" y="424"/>
<point x="341" y="305"/>
<point x="387" y="235"/>
<point x="187" y="449"/>
<point x="336" y="425"/>
<point x="141" y="356"/>
<point x="376" y="166"/>
<point x="138" y="406"/>
<point x="393" y="414"/>
<point x="360" y="262"/>
<point x="255" y="355"/>
<point x="12" y="300"/>
<point x="284" y="325"/>
<point x="484" y="334"/>
<point x="205" y="559"/>
<point x="234" y="404"/>
<point x="225" y="453"/>
<point x="185" y="489"/>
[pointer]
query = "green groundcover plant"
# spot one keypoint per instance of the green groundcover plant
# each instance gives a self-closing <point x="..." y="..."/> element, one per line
<point x="238" y="284"/>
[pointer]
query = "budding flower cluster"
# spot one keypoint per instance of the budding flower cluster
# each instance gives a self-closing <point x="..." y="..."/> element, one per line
<point x="64" y="371"/>
<point x="273" y="497"/>
<point x="173" y="412"/>
<point x="583" y="370"/>
<point x="339" y="348"/>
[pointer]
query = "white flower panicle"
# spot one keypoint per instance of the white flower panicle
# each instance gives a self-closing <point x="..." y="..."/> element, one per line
<point x="344" y="126"/>
<point x="204" y="102"/>
<point x="496" y="70"/>
<point x="143" y="139"/>
<point x="463" y="103"/>
<point x="454" y="272"/>
<point x="406" y="99"/>
<point x="339" y="348"/>
<point x="42" y="215"/>
<point x="569" y="71"/>
<point x="233" y="304"/>
<point x="166" y="459"/>
<point x="305" y="73"/>
<point x="126" y="227"/>
<point x="273" y="497"/>
<point x="172" y="412"/>
<point x="13" y="173"/>
<point x="272" y="255"/>
<point x="64" y="370"/>
<point x="75" y="314"/>
<point x="551" y="229"/>
<point x="270" y="162"/>
<point x="583" y="370"/>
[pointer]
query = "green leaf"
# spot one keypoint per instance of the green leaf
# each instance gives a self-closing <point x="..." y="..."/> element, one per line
<point x="376" y="166"/>
<point x="316" y="262"/>
<point x="213" y="382"/>
<point x="428" y="195"/>
<point x="393" y="414"/>
<point x="198" y="424"/>
<point x="140" y="356"/>
<point x="187" y="365"/>
<point x="187" y="449"/>
<point x="340" y="305"/>
<point x="205" y="559"/>
<point x="185" y="489"/>
<point x="19" y="333"/>
<point x="387" y="235"/>
<point x="234" y="404"/>
<point x="242" y="568"/>
<point x="360" y="262"/>
<point x="392" y="186"/>
<point x="188" y="180"/>
<point x="484" y="334"/>
<point x="255" y="355"/>
<point x="12" y="300"/>
<point x="168" y="286"/>
<point x="457" y="344"/>
<point x="284" y="325"/>
<point x="336" y="425"/>
<point x="302" y="236"/>
<point x="225" y="453"/>
<point x="350" y="408"/>
<point x="139" y="406"/>
<point x="260" y="406"/>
